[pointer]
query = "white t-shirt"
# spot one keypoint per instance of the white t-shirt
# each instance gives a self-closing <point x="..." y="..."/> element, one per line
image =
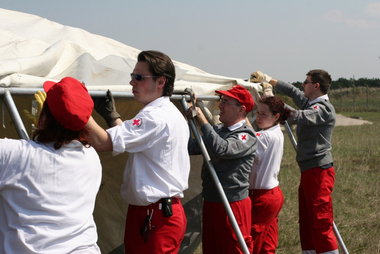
<point x="47" y="197"/>
<point x="158" y="165"/>
<point x="266" y="166"/>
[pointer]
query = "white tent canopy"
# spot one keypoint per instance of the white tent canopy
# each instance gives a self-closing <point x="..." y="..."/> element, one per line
<point x="34" y="49"/>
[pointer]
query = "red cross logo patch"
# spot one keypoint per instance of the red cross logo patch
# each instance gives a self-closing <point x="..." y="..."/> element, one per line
<point x="258" y="134"/>
<point x="136" y="122"/>
<point x="315" y="107"/>
<point x="243" y="137"/>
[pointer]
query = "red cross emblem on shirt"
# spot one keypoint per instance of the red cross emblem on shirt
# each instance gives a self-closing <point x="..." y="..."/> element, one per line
<point x="243" y="137"/>
<point x="315" y="107"/>
<point x="136" y="122"/>
<point x="258" y="134"/>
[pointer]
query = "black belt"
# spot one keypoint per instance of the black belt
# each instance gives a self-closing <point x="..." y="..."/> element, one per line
<point x="163" y="204"/>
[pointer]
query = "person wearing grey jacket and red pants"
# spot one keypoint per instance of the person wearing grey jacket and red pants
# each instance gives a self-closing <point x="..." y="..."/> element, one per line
<point x="232" y="147"/>
<point x="315" y="121"/>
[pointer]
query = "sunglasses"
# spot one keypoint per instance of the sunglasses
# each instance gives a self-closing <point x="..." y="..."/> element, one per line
<point x="225" y="102"/>
<point x="140" y="77"/>
<point x="306" y="82"/>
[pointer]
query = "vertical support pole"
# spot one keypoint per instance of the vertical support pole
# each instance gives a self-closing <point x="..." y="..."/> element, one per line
<point x="354" y="96"/>
<point x="341" y="98"/>
<point x="367" y="96"/>
<point x="353" y="85"/>
<point x="13" y="112"/>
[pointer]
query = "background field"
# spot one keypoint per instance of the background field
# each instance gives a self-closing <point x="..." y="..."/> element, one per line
<point x="356" y="195"/>
<point x="356" y="99"/>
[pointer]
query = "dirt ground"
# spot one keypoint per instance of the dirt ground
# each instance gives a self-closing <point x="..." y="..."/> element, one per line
<point x="345" y="121"/>
<point x="341" y="120"/>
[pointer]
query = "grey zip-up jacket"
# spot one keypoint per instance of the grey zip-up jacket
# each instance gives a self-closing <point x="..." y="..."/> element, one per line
<point x="232" y="154"/>
<point x="315" y="124"/>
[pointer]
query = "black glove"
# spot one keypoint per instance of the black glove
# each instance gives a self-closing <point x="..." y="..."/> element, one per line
<point x="105" y="106"/>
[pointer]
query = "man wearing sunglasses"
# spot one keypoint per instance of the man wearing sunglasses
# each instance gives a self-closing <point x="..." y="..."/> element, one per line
<point x="315" y="123"/>
<point x="232" y="147"/>
<point x="158" y="166"/>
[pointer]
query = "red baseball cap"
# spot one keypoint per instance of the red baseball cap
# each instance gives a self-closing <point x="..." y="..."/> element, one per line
<point x="242" y="95"/>
<point x="69" y="102"/>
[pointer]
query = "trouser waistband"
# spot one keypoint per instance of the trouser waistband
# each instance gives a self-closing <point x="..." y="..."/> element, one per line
<point x="262" y="191"/>
<point x="157" y="205"/>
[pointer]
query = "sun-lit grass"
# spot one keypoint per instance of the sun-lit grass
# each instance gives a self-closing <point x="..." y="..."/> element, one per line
<point x="364" y="100"/>
<point x="356" y="195"/>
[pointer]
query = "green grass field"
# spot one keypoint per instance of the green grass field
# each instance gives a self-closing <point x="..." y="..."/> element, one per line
<point x="365" y="100"/>
<point x="356" y="195"/>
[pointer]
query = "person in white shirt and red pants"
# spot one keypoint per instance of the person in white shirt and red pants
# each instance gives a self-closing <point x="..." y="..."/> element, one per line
<point x="158" y="166"/>
<point x="264" y="190"/>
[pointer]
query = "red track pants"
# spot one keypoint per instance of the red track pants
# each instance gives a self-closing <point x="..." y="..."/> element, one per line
<point x="163" y="235"/>
<point x="266" y="205"/>
<point x="218" y="234"/>
<point x="316" y="211"/>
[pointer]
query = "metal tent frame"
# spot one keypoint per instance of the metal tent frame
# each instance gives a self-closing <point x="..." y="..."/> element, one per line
<point x="6" y="94"/>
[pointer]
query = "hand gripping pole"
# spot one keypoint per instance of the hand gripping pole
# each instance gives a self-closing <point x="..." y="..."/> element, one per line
<point x="218" y="185"/>
<point x="294" y="142"/>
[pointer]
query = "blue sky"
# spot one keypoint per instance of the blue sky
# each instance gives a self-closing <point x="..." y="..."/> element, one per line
<point x="284" y="39"/>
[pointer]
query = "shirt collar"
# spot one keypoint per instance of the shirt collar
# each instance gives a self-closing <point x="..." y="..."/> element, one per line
<point x="323" y="97"/>
<point x="157" y="102"/>
<point x="236" y="125"/>
<point x="73" y="143"/>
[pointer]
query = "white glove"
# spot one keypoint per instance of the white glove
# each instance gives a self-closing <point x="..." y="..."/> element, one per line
<point x="267" y="89"/>
<point x="259" y="77"/>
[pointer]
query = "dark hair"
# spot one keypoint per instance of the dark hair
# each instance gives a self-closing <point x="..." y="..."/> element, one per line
<point x="322" y="77"/>
<point x="276" y="105"/>
<point x="160" y="65"/>
<point x="50" y="130"/>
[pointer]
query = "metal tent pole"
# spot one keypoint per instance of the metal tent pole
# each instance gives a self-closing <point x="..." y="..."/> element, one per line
<point x="13" y="112"/>
<point x="294" y="142"/>
<point x="218" y="185"/>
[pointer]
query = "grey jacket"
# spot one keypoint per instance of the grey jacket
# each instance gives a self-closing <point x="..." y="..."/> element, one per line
<point x="232" y="154"/>
<point x="315" y="124"/>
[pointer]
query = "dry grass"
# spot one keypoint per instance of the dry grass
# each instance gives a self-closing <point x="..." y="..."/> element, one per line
<point x="356" y="196"/>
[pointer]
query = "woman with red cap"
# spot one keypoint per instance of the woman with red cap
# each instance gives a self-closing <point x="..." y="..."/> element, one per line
<point x="48" y="186"/>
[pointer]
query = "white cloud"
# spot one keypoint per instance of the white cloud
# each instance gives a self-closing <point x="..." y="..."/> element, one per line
<point x="334" y="16"/>
<point x="337" y="16"/>
<point x="373" y="10"/>
<point x="361" y="23"/>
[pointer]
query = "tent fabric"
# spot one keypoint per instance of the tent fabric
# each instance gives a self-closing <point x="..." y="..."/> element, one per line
<point x="34" y="49"/>
<point x="37" y="49"/>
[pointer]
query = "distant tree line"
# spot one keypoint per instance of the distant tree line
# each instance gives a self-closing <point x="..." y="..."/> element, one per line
<point x="344" y="83"/>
